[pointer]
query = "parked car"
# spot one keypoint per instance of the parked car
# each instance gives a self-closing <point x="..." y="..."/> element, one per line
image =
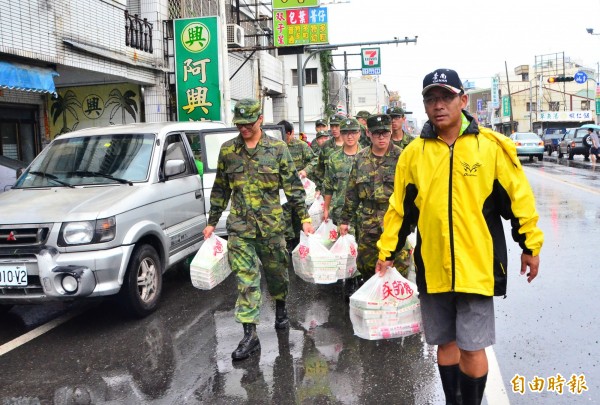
<point x="528" y="144"/>
<point x="575" y="142"/>
<point x="100" y="212"/>
<point x="551" y="138"/>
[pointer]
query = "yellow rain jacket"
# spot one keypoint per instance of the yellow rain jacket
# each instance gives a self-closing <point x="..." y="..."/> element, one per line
<point x="462" y="192"/>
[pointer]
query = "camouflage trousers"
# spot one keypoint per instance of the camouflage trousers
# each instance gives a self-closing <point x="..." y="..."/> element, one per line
<point x="368" y="254"/>
<point x="292" y="221"/>
<point x="244" y="255"/>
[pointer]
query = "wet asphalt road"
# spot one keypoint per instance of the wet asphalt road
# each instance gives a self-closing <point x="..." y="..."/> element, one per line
<point x="181" y="354"/>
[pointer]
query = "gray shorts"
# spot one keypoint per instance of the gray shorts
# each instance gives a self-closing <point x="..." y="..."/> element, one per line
<point x="465" y="318"/>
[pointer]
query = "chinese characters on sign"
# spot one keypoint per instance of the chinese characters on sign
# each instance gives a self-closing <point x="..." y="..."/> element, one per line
<point x="371" y="61"/>
<point x="566" y="116"/>
<point x="557" y="383"/>
<point x="300" y="26"/>
<point x="197" y="71"/>
<point x="495" y="93"/>
<point x="506" y="106"/>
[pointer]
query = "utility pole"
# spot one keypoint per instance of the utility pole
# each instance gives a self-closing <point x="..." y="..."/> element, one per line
<point x="326" y="47"/>
<point x="509" y="98"/>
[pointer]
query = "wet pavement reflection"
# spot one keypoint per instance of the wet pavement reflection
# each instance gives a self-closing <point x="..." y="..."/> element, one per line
<point x="182" y="354"/>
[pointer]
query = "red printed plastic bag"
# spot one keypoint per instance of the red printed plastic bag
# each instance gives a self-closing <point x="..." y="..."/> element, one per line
<point x="316" y="211"/>
<point x="313" y="262"/>
<point x="345" y="250"/>
<point x="327" y="231"/>
<point x="210" y="266"/>
<point x="311" y="189"/>
<point x="386" y="307"/>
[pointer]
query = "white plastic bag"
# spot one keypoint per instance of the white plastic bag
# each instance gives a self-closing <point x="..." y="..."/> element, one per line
<point x="345" y="250"/>
<point x="386" y="307"/>
<point x="316" y="211"/>
<point x="313" y="262"/>
<point x="328" y="233"/>
<point x="311" y="188"/>
<point x="210" y="266"/>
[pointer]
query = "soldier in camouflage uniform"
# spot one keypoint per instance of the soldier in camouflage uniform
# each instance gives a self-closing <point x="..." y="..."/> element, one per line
<point x="338" y="171"/>
<point x="320" y="138"/>
<point x="370" y="186"/>
<point x="399" y="137"/>
<point x="251" y="169"/>
<point x="332" y="144"/>
<point x="320" y="125"/>
<point x="362" y="117"/>
<point x="305" y="160"/>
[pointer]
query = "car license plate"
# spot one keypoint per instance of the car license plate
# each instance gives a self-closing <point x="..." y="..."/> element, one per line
<point x="13" y="276"/>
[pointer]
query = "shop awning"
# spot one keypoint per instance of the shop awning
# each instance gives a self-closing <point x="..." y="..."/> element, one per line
<point x="27" y="78"/>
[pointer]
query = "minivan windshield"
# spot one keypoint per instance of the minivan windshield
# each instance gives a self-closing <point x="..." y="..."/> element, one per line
<point x="108" y="159"/>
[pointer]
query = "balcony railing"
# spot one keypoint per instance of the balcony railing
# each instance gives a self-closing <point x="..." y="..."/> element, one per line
<point x="138" y="32"/>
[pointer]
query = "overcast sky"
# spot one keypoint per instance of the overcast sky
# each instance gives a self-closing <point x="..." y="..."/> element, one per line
<point x="474" y="38"/>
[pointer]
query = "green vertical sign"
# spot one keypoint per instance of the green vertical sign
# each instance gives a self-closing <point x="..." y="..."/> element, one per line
<point x="197" y="71"/>
<point x="505" y="106"/>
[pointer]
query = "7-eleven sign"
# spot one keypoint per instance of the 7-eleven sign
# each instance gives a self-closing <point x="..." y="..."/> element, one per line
<point x="371" y="61"/>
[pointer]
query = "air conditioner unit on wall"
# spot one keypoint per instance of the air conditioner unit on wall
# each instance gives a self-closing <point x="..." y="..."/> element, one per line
<point x="235" y="36"/>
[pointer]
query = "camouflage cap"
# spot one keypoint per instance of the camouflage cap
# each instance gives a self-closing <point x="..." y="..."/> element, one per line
<point x="321" y="123"/>
<point x="246" y="111"/>
<point x="395" y="111"/>
<point x="381" y="122"/>
<point x="350" y="124"/>
<point x="363" y="114"/>
<point x="336" y="119"/>
<point x="321" y="134"/>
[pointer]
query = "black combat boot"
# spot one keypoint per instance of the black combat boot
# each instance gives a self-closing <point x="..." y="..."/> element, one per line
<point x="249" y="343"/>
<point x="281" y="318"/>
<point x="472" y="388"/>
<point x="450" y="383"/>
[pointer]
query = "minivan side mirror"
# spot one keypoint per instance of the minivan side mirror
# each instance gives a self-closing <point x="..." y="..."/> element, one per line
<point x="174" y="167"/>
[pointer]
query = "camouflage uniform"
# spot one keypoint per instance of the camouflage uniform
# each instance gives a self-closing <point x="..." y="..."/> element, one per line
<point x="364" y="140"/>
<point x="326" y="150"/>
<point x="251" y="179"/>
<point x="406" y="139"/>
<point x="315" y="145"/>
<point x="370" y="185"/>
<point x="302" y="155"/>
<point x="336" y="176"/>
<point x="304" y="159"/>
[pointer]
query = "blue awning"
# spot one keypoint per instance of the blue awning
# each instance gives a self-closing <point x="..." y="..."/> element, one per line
<point x="27" y="78"/>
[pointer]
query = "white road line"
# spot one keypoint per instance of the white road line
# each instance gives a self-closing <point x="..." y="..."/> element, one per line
<point x="557" y="179"/>
<point x="495" y="391"/>
<point x="40" y="330"/>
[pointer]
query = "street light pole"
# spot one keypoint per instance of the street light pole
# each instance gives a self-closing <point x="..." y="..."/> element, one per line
<point x="318" y="48"/>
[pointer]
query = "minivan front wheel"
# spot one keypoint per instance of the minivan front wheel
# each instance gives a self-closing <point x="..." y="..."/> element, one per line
<point x="142" y="285"/>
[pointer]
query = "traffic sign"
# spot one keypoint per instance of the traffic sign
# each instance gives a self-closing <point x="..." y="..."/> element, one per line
<point x="580" y="77"/>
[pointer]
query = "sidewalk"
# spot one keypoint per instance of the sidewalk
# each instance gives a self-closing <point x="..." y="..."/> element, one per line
<point x="576" y="162"/>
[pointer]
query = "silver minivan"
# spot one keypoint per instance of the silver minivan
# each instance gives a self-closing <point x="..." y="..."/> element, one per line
<point x="101" y="212"/>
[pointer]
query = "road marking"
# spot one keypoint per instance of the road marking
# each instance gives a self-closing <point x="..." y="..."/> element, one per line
<point x="554" y="178"/>
<point x="495" y="391"/>
<point x="40" y="330"/>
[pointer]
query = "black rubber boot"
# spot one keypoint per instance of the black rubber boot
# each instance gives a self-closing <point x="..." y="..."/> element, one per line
<point x="471" y="389"/>
<point x="449" y="375"/>
<point x="281" y="318"/>
<point x="249" y="343"/>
